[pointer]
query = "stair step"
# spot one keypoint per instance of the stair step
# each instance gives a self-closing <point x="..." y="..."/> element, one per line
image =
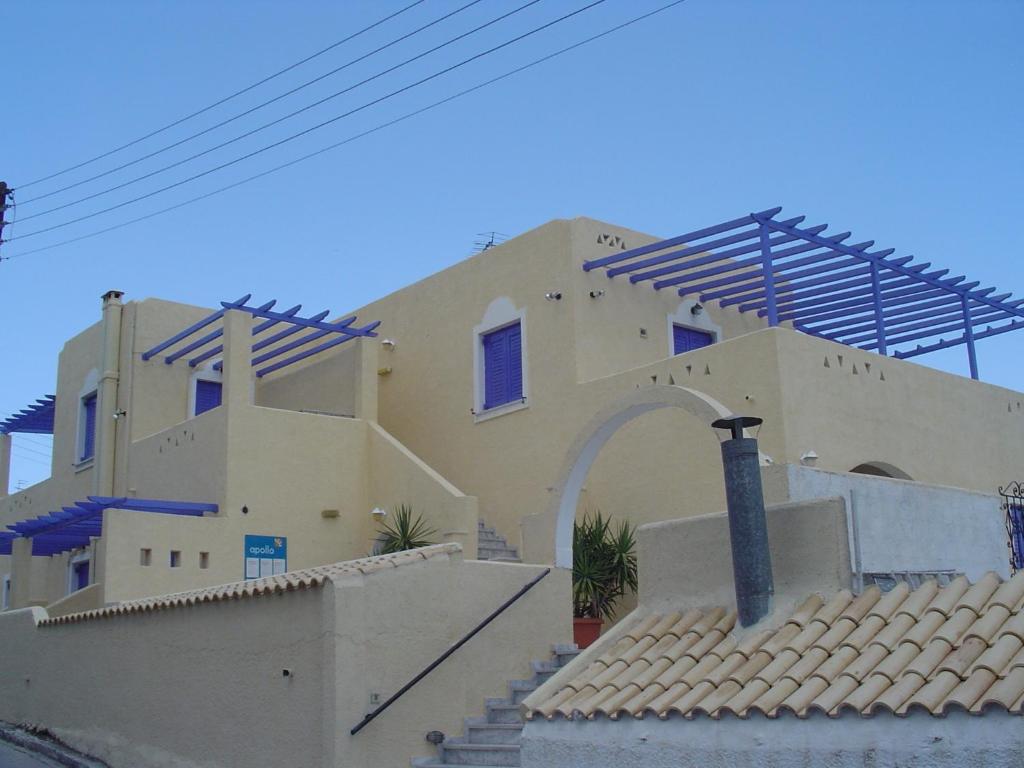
<point x="494" y="733"/>
<point x="503" y="712"/>
<point x="506" y="559"/>
<point x="480" y="754"/>
<point x="565" y="653"/>
<point x="520" y="689"/>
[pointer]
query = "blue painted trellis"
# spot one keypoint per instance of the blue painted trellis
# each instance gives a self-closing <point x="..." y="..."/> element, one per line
<point x="74" y="526"/>
<point x="825" y="287"/>
<point x="305" y="330"/>
<point x="36" y="419"/>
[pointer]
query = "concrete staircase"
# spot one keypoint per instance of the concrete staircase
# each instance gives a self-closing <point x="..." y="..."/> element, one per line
<point x="491" y="546"/>
<point x="493" y="739"/>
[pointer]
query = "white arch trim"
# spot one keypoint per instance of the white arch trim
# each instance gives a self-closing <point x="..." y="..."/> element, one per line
<point x="565" y="495"/>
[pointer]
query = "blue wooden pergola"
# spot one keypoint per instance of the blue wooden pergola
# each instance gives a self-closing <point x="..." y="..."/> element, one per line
<point x="822" y="285"/>
<point x="271" y="352"/>
<point x="36" y="419"/>
<point x="74" y="526"/>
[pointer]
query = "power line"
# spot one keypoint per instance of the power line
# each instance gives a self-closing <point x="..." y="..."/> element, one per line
<point x="323" y="124"/>
<point x="272" y="123"/>
<point x="20" y="447"/>
<point x="240" y="115"/>
<point x="375" y="129"/>
<point x="29" y="458"/>
<point x="248" y="88"/>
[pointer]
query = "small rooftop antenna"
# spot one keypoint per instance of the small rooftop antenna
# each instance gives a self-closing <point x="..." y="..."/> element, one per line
<point x="488" y="240"/>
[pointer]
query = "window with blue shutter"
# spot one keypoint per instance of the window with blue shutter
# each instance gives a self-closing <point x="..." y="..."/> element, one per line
<point x="503" y="366"/>
<point x="207" y="395"/>
<point x="88" y="427"/>
<point x="688" y="339"/>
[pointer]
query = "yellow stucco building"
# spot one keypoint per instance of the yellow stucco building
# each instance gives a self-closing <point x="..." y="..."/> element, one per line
<point x="207" y="457"/>
<point x="527" y="384"/>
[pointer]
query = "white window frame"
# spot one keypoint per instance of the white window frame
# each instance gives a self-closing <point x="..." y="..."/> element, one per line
<point x="206" y="373"/>
<point x="91" y="386"/>
<point x="500" y="313"/>
<point x="5" y="597"/>
<point x="684" y="317"/>
<point x="81" y="557"/>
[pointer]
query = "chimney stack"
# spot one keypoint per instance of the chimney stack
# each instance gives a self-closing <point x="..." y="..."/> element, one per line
<point x="748" y="527"/>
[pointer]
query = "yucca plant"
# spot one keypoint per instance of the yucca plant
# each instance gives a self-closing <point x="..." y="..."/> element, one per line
<point x="603" y="565"/>
<point x="403" y="532"/>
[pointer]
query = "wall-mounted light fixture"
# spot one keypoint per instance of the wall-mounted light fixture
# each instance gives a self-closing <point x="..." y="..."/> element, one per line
<point x="553" y="295"/>
<point x="596" y="294"/>
<point x="697" y="309"/>
<point x="119" y="414"/>
<point x="388" y="344"/>
<point x="378" y="513"/>
<point x="809" y="459"/>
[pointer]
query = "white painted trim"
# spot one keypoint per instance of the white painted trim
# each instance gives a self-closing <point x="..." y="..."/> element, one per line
<point x="500" y="313"/>
<point x="91" y="386"/>
<point x="684" y="317"/>
<point x="81" y="557"/>
<point x="206" y="373"/>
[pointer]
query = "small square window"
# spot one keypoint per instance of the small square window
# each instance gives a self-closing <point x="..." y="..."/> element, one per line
<point x="145" y="556"/>
<point x="204" y="560"/>
<point x="175" y="558"/>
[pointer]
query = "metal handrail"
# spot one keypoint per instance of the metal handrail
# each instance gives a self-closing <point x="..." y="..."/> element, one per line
<point x="433" y="665"/>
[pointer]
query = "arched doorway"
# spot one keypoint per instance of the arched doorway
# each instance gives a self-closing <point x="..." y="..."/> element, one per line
<point x="584" y="450"/>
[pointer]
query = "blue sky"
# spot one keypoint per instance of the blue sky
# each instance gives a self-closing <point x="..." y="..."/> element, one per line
<point x="900" y="121"/>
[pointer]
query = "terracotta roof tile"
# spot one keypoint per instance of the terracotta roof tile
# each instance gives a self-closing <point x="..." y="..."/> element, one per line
<point x="933" y="648"/>
<point x="268" y="585"/>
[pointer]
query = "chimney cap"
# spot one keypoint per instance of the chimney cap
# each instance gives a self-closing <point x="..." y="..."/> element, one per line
<point x="736" y="424"/>
<point x="109" y="295"/>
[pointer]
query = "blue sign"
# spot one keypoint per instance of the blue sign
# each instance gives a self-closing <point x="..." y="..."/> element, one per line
<point x="265" y="556"/>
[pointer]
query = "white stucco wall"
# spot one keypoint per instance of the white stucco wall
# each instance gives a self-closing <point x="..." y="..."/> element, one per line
<point x="958" y="740"/>
<point x="900" y="525"/>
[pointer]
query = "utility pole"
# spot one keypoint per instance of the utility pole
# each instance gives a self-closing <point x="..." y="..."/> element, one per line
<point x="5" y="193"/>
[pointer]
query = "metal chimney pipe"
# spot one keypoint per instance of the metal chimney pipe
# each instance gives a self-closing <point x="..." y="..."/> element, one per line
<point x="748" y="527"/>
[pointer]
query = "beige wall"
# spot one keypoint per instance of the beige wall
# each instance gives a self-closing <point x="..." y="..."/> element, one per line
<point x="196" y="687"/>
<point x="327" y="385"/>
<point x="203" y="685"/>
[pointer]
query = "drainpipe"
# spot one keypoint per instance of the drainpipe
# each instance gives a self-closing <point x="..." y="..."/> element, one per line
<point x="5" y="463"/>
<point x="748" y="527"/>
<point x="106" y="423"/>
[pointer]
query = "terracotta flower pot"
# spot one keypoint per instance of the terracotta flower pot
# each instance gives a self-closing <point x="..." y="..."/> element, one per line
<point x="585" y="631"/>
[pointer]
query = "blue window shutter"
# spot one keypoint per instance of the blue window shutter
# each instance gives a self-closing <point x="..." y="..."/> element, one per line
<point x="208" y="395"/>
<point x="515" y="362"/>
<point x="687" y="339"/>
<point x="503" y="366"/>
<point x="89" y="443"/>
<point x="81" y="575"/>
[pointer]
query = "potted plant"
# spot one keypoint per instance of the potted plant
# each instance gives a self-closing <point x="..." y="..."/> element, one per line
<point x="404" y="533"/>
<point x="603" y="569"/>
